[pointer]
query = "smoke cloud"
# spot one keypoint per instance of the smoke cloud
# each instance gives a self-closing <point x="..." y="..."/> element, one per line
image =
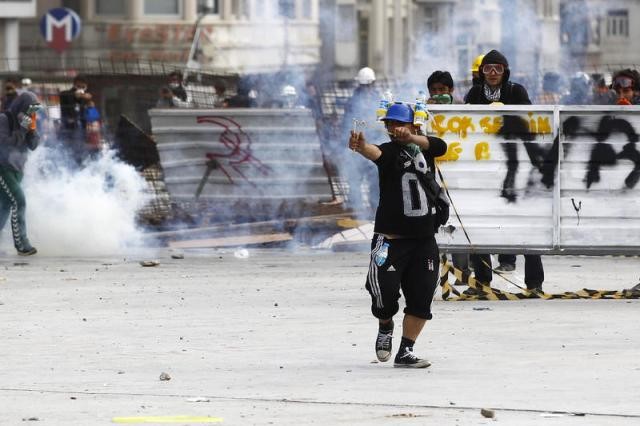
<point x="81" y="212"/>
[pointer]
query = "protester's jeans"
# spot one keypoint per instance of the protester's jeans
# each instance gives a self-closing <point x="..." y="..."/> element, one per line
<point x="533" y="269"/>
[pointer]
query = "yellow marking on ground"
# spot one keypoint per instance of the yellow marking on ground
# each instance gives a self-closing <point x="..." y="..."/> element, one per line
<point x="166" y="419"/>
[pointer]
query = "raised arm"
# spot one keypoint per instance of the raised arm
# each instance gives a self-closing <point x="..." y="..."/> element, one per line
<point x="358" y="143"/>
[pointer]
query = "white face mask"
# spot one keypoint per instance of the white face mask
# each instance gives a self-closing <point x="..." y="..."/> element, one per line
<point x="174" y="85"/>
<point x="81" y="90"/>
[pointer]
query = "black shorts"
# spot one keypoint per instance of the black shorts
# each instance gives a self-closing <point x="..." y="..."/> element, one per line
<point x="411" y="265"/>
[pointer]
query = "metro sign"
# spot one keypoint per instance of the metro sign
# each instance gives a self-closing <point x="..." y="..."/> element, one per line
<point x="59" y="27"/>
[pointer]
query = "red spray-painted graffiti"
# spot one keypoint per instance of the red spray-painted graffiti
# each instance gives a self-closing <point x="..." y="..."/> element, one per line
<point x="238" y="150"/>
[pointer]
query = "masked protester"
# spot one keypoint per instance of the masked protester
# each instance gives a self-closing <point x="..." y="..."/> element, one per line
<point x="18" y="136"/>
<point x="626" y="84"/>
<point x="440" y="87"/>
<point x="174" y="94"/>
<point x="495" y="86"/>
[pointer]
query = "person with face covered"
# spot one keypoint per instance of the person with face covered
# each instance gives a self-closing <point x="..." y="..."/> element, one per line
<point x="495" y="88"/>
<point x="18" y="136"/>
<point x="494" y="85"/>
<point x="404" y="252"/>
<point x="626" y="84"/>
<point x="174" y="94"/>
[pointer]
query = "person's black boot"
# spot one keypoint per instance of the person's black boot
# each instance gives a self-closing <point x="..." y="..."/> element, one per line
<point x="27" y="251"/>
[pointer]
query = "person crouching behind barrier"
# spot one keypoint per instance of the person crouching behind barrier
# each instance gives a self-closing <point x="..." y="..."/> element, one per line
<point x="404" y="252"/>
<point x="17" y="135"/>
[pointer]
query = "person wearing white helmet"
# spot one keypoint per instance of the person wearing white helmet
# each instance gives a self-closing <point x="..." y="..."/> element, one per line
<point x="361" y="107"/>
<point x="366" y="76"/>
<point x="289" y="96"/>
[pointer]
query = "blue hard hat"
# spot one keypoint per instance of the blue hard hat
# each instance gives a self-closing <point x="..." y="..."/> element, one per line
<point x="399" y="112"/>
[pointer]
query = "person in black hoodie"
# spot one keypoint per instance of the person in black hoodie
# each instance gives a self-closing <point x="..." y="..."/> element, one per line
<point x="495" y="87"/>
<point x="18" y="136"/>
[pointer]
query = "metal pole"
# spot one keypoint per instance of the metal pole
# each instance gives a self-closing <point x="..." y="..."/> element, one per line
<point x="194" y="42"/>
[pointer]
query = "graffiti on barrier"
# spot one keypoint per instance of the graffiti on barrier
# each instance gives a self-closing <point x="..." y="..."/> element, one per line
<point x="603" y="153"/>
<point x="237" y="150"/>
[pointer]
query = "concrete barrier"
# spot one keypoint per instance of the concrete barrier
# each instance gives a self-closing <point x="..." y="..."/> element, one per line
<point x="252" y="155"/>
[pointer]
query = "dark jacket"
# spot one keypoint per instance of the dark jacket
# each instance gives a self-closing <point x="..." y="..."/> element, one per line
<point x="72" y="110"/>
<point x="510" y="93"/>
<point x="15" y="141"/>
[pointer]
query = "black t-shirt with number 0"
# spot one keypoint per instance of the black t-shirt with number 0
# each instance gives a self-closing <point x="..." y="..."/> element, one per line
<point x="404" y="208"/>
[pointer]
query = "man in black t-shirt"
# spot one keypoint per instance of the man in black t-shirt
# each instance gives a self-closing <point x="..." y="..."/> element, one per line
<point x="404" y="253"/>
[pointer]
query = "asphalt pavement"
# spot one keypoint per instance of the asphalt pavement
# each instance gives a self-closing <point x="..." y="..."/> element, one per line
<point x="286" y="337"/>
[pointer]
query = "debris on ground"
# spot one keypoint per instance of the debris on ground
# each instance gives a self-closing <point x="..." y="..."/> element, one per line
<point x="177" y="256"/>
<point x="165" y="376"/>
<point x="149" y="263"/>
<point x="198" y="399"/>
<point x="241" y="254"/>
<point x="488" y="413"/>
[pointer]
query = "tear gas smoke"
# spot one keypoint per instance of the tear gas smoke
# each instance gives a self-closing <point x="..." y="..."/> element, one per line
<point x="87" y="211"/>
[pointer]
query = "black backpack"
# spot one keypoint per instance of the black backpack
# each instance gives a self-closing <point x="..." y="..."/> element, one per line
<point x="436" y="196"/>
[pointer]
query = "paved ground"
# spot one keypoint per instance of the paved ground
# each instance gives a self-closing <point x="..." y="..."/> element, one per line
<point x="286" y="338"/>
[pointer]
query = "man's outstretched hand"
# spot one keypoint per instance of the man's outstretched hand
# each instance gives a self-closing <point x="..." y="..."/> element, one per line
<point x="357" y="141"/>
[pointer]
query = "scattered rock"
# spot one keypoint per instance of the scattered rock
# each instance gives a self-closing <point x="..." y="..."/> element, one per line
<point x="482" y="309"/>
<point x="30" y="419"/>
<point x="73" y="397"/>
<point x="149" y="263"/>
<point x="164" y="377"/>
<point x="120" y="372"/>
<point x="177" y="256"/>
<point x="241" y="254"/>
<point x="275" y="304"/>
<point x="488" y="413"/>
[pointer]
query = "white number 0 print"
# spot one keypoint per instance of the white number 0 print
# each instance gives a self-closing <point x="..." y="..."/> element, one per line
<point x="413" y="196"/>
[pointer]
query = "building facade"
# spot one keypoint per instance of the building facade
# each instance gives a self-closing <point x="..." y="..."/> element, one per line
<point x="395" y="38"/>
<point x="11" y="13"/>
<point x="600" y="35"/>
<point x="239" y="36"/>
<point x="414" y="37"/>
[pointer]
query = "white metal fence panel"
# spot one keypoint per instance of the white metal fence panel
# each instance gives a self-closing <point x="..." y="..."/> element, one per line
<point x="493" y="171"/>
<point x="542" y="178"/>
<point x="599" y="173"/>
